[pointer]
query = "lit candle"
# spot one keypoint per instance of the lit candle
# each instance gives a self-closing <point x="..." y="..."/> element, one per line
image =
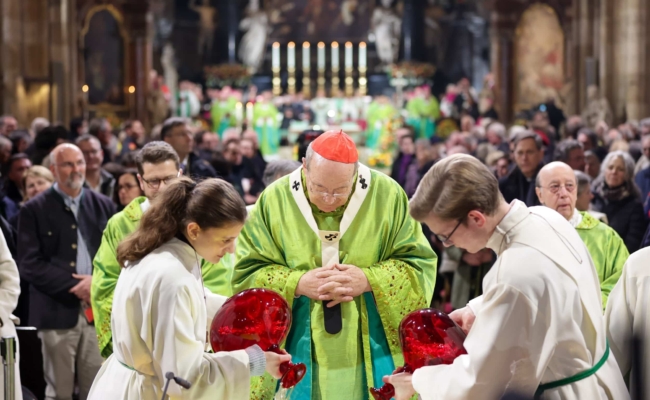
<point x="275" y="56"/>
<point x="321" y="55"/>
<point x="249" y="114"/>
<point x="362" y="55"/>
<point x="239" y="114"/>
<point x="305" y="56"/>
<point x="348" y="55"/>
<point x="335" y="55"/>
<point x="291" y="55"/>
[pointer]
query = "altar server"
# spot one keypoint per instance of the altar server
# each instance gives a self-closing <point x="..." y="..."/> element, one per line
<point x="165" y="311"/>
<point x="336" y="240"/>
<point x="538" y="328"/>
<point x="628" y="314"/>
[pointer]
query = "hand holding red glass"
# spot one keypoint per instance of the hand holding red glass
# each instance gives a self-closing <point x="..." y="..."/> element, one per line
<point x="256" y="316"/>
<point x="428" y="337"/>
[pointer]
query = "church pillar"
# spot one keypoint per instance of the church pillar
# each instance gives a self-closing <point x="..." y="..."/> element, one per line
<point x="635" y="101"/>
<point x="605" y="50"/>
<point x="233" y="30"/>
<point x="502" y="61"/>
<point x="413" y="30"/>
<point x="61" y="95"/>
<point x="10" y="54"/>
<point x="140" y="53"/>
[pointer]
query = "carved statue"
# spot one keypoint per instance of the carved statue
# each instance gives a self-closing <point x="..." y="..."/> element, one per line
<point x="208" y="25"/>
<point x="168" y="61"/>
<point x="256" y="25"/>
<point x="597" y="109"/>
<point x="386" y="26"/>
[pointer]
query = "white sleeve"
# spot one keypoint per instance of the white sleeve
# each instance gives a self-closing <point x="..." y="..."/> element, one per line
<point x="498" y="352"/>
<point x="9" y="281"/>
<point x="475" y="304"/>
<point x="619" y="318"/>
<point x="213" y="304"/>
<point x="223" y="375"/>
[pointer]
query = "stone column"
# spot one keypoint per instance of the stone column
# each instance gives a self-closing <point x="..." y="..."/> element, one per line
<point x="140" y="53"/>
<point x="502" y="61"/>
<point x="635" y="101"/>
<point x="413" y="30"/>
<point x="11" y="54"/>
<point x="233" y="30"/>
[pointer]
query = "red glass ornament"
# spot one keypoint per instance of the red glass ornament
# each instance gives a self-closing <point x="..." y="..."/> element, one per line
<point x="428" y="337"/>
<point x="256" y="316"/>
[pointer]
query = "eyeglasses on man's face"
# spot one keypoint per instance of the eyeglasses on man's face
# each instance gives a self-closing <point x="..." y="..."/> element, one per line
<point x="555" y="187"/>
<point x="446" y="239"/>
<point x="154" y="183"/>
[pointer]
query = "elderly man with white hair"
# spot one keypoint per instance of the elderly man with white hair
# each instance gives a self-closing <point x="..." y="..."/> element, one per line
<point x="557" y="188"/>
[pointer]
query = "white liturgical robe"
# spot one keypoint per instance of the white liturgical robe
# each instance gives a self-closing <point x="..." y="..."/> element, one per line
<point x="628" y="313"/>
<point x="539" y="319"/>
<point x="159" y="325"/>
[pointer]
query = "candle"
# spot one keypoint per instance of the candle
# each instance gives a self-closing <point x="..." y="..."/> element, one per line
<point x="275" y="56"/>
<point x="335" y="55"/>
<point x="348" y="55"/>
<point x="239" y="113"/>
<point x="362" y="55"/>
<point x="249" y="114"/>
<point x="291" y="55"/>
<point x="305" y="56"/>
<point x="321" y="55"/>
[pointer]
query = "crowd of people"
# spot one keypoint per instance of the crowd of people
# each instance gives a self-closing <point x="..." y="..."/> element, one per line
<point x="73" y="198"/>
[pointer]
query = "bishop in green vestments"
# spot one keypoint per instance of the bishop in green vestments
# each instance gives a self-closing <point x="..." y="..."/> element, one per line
<point x="557" y="188"/>
<point x="336" y="240"/>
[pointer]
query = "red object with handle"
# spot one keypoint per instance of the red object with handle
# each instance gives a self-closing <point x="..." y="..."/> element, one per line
<point x="256" y="316"/>
<point x="428" y="337"/>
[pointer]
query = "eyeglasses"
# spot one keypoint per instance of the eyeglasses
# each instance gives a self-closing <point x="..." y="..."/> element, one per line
<point x="326" y="195"/>
<point x="555" y="187"/>
<point x="70" y="164"/>
<point x="446" y="239"/>
<point x="155" y="183"/>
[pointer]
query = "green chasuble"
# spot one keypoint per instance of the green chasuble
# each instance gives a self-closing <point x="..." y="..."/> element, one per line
<point x="422" y="114"/>
<point x="265" y="121"/>
<point x="223" y="115"/>
<point x="216" y="277"/>
<point x="279" y="244"/>
<point x="606" y="248"/>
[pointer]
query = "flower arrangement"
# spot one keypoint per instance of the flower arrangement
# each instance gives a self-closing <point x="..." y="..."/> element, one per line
<point x="383" y="157"/>
<point x="411" y="70"/>
<point x="221" y="75"/>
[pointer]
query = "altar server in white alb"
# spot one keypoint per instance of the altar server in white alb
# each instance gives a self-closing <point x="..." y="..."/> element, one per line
<point x="628" y="315"/>
<point x="9" y="292"/>
<point x="538" y="328"/>
<point x="161" y="309"/>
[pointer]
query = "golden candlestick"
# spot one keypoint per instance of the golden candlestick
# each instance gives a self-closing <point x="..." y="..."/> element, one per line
<point x="363" y="69"/>
<point x="349" y="82"/>
<point x="321" y="66"/>
<point x="306" y="68"/>
<point x="275" y="67"/>
<point x="291" y="68"/>
<point x="335" y="69"/>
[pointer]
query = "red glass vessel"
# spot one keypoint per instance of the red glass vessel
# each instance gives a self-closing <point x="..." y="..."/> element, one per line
<point x="256" y="316"/>
<point x="428" y="337"/>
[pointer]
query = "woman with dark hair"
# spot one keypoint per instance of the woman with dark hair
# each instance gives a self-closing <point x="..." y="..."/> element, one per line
<point x="164" y="309"/>
<point x="616" y="195"/>
<point x="127" y="188"/>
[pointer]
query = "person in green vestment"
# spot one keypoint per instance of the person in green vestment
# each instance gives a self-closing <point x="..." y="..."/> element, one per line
<point x="222" y="111"/>
<point x="157" y="164"/>
<point x="423" y="111"/>
<point x="336" y="240"/>
<point x="380" y="112"/>
<point x="557" y="188"/>
<point x="265" y="121"/>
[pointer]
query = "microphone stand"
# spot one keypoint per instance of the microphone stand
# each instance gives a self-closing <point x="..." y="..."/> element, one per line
<point x="169" y="376"/>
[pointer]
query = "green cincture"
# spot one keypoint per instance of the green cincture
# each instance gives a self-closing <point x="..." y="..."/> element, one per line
<point x="126" y="366"/>
<point x="575" y="378"/>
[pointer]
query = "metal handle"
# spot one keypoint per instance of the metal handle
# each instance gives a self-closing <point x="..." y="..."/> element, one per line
<point x="8" y="352"/>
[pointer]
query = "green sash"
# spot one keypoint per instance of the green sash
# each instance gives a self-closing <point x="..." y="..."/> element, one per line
<point x="575" y="378"/>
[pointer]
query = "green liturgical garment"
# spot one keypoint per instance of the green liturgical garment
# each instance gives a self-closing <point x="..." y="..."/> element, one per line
<point x="216" y="277"/>
<point x="279" y="244"/>
<point x="606" y="248"/>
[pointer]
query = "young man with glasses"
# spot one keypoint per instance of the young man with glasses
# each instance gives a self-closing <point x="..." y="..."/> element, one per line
<point x="335" y="239"/>
<point x="157" y="164"/>
<point x="557" y="188"/>
<point x="538" y="329"/>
